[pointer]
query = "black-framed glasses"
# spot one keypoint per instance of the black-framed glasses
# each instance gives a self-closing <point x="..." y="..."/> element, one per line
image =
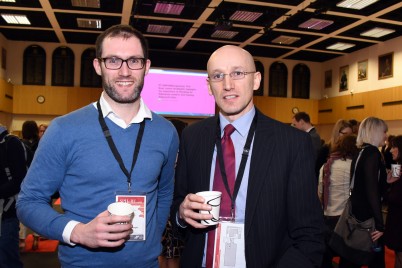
<point x="236" y="75"/>
<point x="115" y="63"/>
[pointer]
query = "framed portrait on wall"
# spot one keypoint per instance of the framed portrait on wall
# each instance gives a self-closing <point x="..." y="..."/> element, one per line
<point x="328" y="79"/>
<point x="385" y="65"/>
<point x="362" y="69"/>
<point x="343" y="78"/>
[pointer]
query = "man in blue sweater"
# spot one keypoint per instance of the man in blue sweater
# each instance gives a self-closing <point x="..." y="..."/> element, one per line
<point x="110" y="150"/>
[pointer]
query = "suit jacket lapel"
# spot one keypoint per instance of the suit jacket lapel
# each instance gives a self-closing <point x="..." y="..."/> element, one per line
<point x="261" y="157"/>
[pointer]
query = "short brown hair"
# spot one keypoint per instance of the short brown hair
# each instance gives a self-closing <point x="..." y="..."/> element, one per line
<point x="121" y="30"/>
<point x="302" y="116"/>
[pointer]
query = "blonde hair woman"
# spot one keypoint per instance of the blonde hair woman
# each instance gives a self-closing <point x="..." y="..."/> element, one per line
<point x="370" y="183"/>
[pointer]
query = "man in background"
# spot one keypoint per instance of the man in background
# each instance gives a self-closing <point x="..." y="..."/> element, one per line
<point x="301" y="120"/>
<point x="13" y="168"/>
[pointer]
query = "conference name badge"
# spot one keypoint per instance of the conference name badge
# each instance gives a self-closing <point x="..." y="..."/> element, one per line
<point x="229" y="246"/>
<point x="139" y="202"/>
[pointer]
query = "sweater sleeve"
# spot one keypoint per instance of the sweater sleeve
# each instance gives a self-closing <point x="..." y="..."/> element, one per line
<point x="44" y="177"/>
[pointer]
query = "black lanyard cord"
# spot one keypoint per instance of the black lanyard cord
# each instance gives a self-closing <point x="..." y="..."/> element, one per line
<point x="245" y="154"/>
<point x="114" y="150"/>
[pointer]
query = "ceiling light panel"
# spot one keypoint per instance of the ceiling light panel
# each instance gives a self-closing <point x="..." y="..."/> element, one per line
<point x="168" y="8"/>
<point x="285" y="40"/>
<point x="86" y="3"/>
<point x="316" y="24"/>
<point x="224" y="34"/>
<point x="16" y="19"/>
<point x="356" y="4"/>
<point x="89" y="23"/>
<point x="377" y="32"/>
<point x="246" y="16"/>
<point x="7" y="1"/>
<point x="340" y="46"/>
<point x="154" y="28"/>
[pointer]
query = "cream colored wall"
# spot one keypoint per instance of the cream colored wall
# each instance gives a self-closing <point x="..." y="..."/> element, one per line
<point x="315" y="74"/>
<point x="15" y="51"/>
<point x="372" y="83"/>
<point x="15" y="60"/>
<point x="14" y="70"/>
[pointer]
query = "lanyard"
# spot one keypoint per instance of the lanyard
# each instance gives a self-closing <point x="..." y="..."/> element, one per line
<point x="115" y="152"/>
<point x="246" y="151"/>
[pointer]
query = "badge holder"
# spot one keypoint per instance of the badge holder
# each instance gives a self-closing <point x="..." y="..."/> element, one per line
<point x="139" y="202"/>
<point x="229" y="245"/>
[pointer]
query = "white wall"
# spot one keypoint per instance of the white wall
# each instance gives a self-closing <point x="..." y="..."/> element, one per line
<point x="372" y="83"/>
<point x="14" y="69"/>
<point x="315" y="75"/>
<point x="15" y="50"/>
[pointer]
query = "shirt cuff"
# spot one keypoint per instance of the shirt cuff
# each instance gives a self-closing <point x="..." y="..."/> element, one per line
<point x="68" y="230"/>
<point x="180" y="222"/>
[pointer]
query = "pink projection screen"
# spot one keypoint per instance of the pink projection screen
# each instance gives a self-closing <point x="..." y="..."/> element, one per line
<point x="178" y="93"/>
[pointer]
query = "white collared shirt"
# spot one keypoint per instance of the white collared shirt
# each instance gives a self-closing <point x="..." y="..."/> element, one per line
<point x="143" y="112"/>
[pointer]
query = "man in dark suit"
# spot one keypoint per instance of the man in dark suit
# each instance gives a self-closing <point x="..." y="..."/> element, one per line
<point x="277" y="200"/>
<point x="301" y="120"/>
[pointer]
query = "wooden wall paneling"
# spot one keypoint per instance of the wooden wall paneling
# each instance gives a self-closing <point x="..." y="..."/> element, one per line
<point x="281" y="108"/>
<point x="6" y="96"/>
<point x="387" y="103"/>
<point x="266" y="105"/>
<point x="355" y="107"/>
<point x="79" y="97"/>
<point x="25" y="100"/>
<point x="326" y="109"/>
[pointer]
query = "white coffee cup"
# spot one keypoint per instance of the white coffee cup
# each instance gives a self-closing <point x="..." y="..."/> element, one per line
<point x="212" y="198"/>
<point x="396" y="170"/>
<point x="121" y="209"/>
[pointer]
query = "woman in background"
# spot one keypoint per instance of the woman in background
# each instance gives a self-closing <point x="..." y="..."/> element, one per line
<point x="333" y="187"/>
<point x="386" y="152"/>
<point x="393" y="226"/>
<point x="370" y="183"/>
<point x="341" y="128"/>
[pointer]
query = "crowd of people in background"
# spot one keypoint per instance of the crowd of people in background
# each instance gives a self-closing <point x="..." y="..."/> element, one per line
<point x="375" y="190"/>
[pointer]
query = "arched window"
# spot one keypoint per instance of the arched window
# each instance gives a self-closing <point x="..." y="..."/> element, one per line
<point x="63" y="67"/>
<point x="301" y="81"/>
<point x="89" y="78"/>
<point x="278" y="80"/>
<point x="34" y="66"/>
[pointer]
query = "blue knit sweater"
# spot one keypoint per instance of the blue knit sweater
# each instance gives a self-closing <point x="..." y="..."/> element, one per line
<point x="74" y="158"/>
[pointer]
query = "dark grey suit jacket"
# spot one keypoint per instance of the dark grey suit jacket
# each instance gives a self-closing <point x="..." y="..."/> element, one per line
<point x="316" y="140"/>
<point x="283" y="221"/>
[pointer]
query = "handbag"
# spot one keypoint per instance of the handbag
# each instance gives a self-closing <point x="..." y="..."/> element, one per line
<point x="351" y="238"/>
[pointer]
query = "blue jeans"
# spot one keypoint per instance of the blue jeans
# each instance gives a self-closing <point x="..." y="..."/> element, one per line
<point x="9" y="240"/>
